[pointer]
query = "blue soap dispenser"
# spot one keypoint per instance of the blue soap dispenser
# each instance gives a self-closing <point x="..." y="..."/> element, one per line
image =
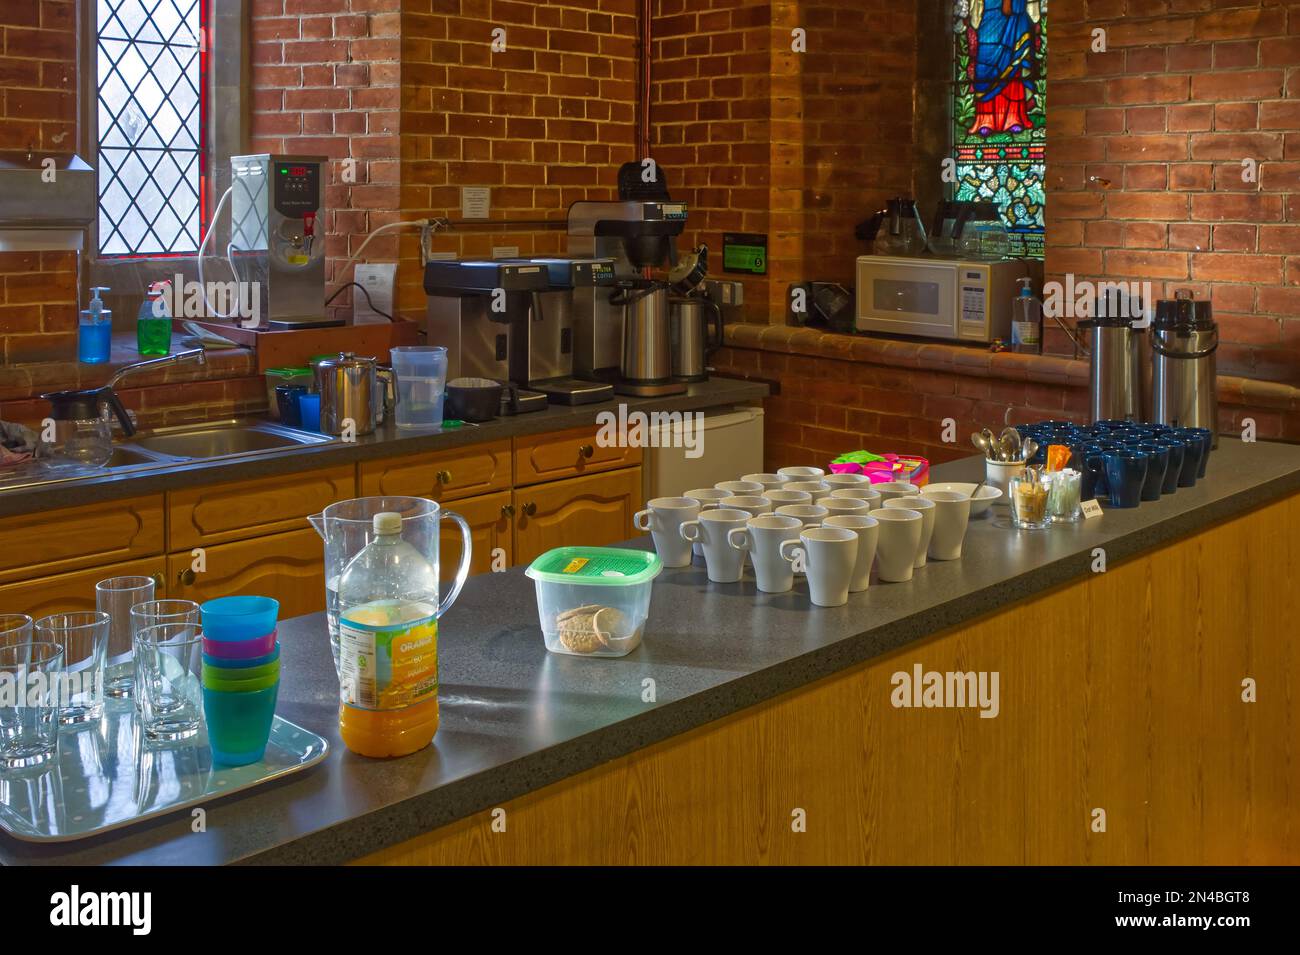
<point x="95" y="330"/>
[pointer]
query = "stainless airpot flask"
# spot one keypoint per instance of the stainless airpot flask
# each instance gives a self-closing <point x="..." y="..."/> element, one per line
<point x="1116" y="340"/>
<point x="1184" y="386"/>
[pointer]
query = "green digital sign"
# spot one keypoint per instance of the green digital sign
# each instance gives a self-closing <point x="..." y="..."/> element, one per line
<point x="744" y="252"/>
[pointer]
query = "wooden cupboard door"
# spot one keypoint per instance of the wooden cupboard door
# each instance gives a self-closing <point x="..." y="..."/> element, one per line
<point x="441" y="475"/>
<point x="593" y="510"/>
<point x="289" y="567"/>
<point x="55" y="542"/>
<point x="62" y="593"/>
<point x="550" y="457"/>
<point x="239" y="510"/>
<point x="490" y="519"/>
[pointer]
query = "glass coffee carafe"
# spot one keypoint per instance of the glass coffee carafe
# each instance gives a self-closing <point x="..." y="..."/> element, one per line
<point x="80" y="433"/>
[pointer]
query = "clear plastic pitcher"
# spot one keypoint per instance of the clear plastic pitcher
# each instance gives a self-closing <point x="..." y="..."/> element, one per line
<point x="348" y="526"/>
<point x="421" y="374"/>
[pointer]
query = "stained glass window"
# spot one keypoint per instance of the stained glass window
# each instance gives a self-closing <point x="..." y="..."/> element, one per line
<point x="149" y="104"/>
<point x="1000" y="112"/>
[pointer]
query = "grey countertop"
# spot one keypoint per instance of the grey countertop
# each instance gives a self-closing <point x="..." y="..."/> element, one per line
<point x="516" y="718"/>
<point x="388" y="441"/>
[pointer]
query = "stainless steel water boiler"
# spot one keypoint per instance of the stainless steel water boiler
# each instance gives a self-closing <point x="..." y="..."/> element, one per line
<point x="1117" y="343"/>
<point x="1184" y="339"/>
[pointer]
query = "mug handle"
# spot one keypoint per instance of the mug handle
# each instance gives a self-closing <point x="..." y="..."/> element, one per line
<point x="787" y="549"/>
<point x="689" y="528"/>
<point x="636" y="520"/>
<point x="462" y="569"/>
<point x="738" y="537"/>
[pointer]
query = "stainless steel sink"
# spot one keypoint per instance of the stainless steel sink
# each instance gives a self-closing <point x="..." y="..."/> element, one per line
<point x="220" y="439"/>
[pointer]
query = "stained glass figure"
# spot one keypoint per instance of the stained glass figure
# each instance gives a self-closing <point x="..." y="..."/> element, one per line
<point x="1000" y="111"/>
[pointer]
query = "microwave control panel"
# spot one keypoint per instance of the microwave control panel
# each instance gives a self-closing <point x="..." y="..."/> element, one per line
<point x="972" y="302"/>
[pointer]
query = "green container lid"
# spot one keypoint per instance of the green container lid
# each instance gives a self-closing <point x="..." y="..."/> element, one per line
<point x="289" y="372"/>
<point x="595" y="566"/>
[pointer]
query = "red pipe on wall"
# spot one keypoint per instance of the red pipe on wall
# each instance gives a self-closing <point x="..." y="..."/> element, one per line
<point x="643" y="132"/>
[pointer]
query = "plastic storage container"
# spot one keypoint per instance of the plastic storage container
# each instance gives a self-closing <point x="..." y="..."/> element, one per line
<point x="421" y="376"/>
<point x="594" y="601"/>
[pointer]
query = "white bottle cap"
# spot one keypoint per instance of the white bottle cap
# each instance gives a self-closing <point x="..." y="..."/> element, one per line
<point x="388" y="522"/>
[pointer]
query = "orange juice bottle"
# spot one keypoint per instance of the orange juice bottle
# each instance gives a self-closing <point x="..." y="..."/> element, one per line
<point x="388" y="646"/>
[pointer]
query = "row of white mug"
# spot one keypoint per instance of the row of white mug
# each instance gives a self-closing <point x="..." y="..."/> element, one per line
<point x="832" y="528"/>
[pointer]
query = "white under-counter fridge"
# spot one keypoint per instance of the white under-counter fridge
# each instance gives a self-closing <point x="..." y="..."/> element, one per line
<point x="730" y="444"/>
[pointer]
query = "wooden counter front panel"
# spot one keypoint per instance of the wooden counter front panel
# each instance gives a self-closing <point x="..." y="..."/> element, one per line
<point x="441" y="475"/>
<point x="64" y="593"/>
<point x="239" y="510"/>
<point x="289" y="567"/>
<point x="595" y="510"/>
<point x="54" y="542"/>
<point x="550" y="457"/>
<point x="490" y="522"/>
<point x="1120" y="693"/>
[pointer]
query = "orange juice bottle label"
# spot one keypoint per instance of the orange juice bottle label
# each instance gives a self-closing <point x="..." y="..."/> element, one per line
<point x="388" y="665"/>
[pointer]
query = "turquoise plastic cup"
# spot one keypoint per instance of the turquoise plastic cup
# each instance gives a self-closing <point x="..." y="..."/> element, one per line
<point x="239" y="618"/>
<point x="239" y="724"/>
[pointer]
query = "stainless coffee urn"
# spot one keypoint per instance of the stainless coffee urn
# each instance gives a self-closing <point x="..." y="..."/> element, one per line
<point x="1184" y="386"/>
<point x="1117" y="343"/>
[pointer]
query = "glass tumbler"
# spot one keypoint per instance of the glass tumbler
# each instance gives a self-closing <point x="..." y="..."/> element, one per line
<point x="1064" y="498"/>
<point x="151" y="613"/>
<point x="169" y="675"/>
<point x="15" y="628"/>
<point x="1028" y="497"/>
<point x="115" y="597"/>
<point x="30" y="674"/>
<point x="84" y="638"/>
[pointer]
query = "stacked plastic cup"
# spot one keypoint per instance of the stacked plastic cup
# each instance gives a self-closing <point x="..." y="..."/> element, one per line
<point x="241" y="676"/>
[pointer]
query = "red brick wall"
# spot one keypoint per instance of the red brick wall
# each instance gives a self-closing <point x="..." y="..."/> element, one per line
<point x="326" y="81"/>
<point x="544" y="123"/>
<point x="38" y="112"/>
<point x="1186" y="91"/>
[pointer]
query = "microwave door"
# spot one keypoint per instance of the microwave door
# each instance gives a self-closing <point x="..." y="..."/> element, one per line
<point x="906" y="299"/>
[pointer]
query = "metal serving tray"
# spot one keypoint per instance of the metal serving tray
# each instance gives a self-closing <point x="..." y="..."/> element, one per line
<point x="108" y="775"/>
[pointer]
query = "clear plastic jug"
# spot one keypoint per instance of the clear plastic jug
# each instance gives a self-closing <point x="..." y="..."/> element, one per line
<point x="348" y="526"/>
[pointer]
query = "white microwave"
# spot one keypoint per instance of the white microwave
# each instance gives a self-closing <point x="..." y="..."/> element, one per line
<point x="956" y="299"/>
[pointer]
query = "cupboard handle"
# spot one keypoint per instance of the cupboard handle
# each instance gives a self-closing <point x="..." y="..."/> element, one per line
<point x="444" y="477"/>
<point x="586" y="451"/>
<point x="158" y="581"/>
<point x="187" y="576"/>
<point x="508" y="510"/>
<point x="530" y="508"/>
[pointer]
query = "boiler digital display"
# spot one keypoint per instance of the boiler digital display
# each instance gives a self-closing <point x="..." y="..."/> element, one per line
<point x="296" y="172"/>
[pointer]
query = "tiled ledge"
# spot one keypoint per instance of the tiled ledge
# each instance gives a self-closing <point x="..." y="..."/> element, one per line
<point x="972" y="361"/>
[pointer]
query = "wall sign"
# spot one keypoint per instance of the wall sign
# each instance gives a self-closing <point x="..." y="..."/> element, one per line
<point x="744" y="252"/>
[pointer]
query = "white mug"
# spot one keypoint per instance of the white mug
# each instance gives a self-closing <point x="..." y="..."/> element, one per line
<point x="892" y="489"/>
<point x="817" y="489"/>
<point x="847" y="479"/>
<point x="811" y="514"/>
<point x="748" y="502"/>
<point x="770" y="482"/>
<point x="951" y="518"/>
<point x="740" y="487"/>
<point x="782" y="496"/>
<point x="865" y="493"/>
<point x="708" y="498"/>
<point x="663" y="517"/>
<point x="724" y="562"/>
<point x="845" y="505"/>
<point x="829" y="555"/>
<point x="801" y="473"/>
<point x="899" y="536"/>
<point x="868" y="530"/>
<point x="762" y="537"/>
<point x="998" y="474"/>
<point x="925" y="507"/>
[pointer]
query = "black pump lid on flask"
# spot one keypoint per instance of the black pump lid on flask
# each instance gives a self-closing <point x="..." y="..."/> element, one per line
<point x="1184" y="313"/>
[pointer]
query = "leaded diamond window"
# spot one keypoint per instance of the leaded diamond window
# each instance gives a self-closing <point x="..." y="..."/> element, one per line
<point x="150" y="98"/>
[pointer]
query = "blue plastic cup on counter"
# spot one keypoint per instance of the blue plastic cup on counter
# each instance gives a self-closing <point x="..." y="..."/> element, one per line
<point x="1207" y="436"/>
<point x="1126" y="472"/>
<point x="1177" y="451"/>
<point x="1197" y="447"/>
<point x="309" y="412"/>
<point x="1157" y="465"/>
<point x="239" y="618"/>
<point x="239" y="724"/>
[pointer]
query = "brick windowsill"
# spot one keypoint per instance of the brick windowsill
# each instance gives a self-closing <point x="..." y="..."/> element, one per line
<point x="971" y="361"/>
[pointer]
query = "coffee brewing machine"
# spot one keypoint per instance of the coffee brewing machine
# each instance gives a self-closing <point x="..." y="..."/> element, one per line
<point x="512" y="320"/>
<point x="621" y="331"/>
<point x="277" y="237"/>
